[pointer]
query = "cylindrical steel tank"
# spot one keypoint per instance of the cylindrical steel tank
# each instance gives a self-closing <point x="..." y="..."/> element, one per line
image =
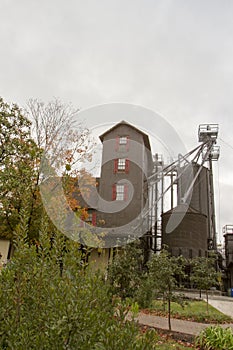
<point x="190" y="237"/>
<point x="199" y="197"/>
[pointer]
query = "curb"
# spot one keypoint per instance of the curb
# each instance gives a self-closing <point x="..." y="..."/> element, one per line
<point x="185" y="337"/>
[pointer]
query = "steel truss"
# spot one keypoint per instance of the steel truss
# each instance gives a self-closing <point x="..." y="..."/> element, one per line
<point x="206" y="152"/>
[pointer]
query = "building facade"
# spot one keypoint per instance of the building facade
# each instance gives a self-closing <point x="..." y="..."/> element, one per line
<point x="228" y="235"/>
<point x="123" y="192"/>
<point x="126" y="164"/>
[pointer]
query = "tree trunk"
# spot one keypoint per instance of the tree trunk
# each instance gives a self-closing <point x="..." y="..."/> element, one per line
<point x="164" y="303"/>
<point x="169" y="313"/>
<point x="207" y="301"/>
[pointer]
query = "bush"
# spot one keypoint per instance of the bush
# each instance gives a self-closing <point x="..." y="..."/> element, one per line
<point x="145" y="293"/>
<point x="126" y="271"/>
<point x="48" y="300"/>
<point x="215" y="338"/>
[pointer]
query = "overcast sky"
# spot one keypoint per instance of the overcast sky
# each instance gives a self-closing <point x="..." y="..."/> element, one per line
<point x="174" y="57"/>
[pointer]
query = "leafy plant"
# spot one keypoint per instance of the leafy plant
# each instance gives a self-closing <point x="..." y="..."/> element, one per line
<point x="163" y="272"/>
<point x="215" y="338"/>
<point x="49" y="301"/>
<point x="145" y="293"/>
<point x="18" y="158"/>
<point x="204" y="275"/>
<point x="126" y="270"/>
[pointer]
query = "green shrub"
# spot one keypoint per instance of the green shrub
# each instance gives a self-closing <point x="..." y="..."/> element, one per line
<point x="49" y="301"/>
<point x="145" y="293"/>
<point x="126" y="270"/>
<point x="215" y="338"/>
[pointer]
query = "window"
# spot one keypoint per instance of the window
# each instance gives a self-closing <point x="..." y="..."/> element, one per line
<point x="120" y="192"/>
<point x="121" y="165"/>
<point x="122" y="143"/>
<point x="90" y="219"/>
<point x="123" y="140"/>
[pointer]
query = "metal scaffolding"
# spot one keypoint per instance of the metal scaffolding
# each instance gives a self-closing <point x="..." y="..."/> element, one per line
<point x="205" y="153"/>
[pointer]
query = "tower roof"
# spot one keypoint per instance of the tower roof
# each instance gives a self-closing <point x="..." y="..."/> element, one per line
<point x="183" y="208"/>
<point x="123" y="122"/>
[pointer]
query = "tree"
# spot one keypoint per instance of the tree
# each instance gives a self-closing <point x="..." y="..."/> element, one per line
<point x="60" y="139"/>
<point x="204" y="275"/>
<point x="126" y="270"/>
<point x="18" y="157"/>
<point x="66" y="143"/>
<point x="14" y="132"/>
<point x="163" y="272"/>
<point x="57" y="130"/>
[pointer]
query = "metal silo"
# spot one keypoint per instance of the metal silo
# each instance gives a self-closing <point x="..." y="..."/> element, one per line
<point x="190" y="237"/>
<point x="199" y="197"/>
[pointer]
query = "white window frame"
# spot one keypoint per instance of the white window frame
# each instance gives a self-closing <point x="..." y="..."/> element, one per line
<point x="123" y="140"/>
<point x="121" y="164"/>
<point x="120" y="192"/>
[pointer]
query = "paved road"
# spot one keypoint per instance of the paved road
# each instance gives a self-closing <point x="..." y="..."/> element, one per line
<point x="223" y="304"/>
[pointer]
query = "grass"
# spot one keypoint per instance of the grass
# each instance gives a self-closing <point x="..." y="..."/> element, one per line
<point x="192" y="311"/>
